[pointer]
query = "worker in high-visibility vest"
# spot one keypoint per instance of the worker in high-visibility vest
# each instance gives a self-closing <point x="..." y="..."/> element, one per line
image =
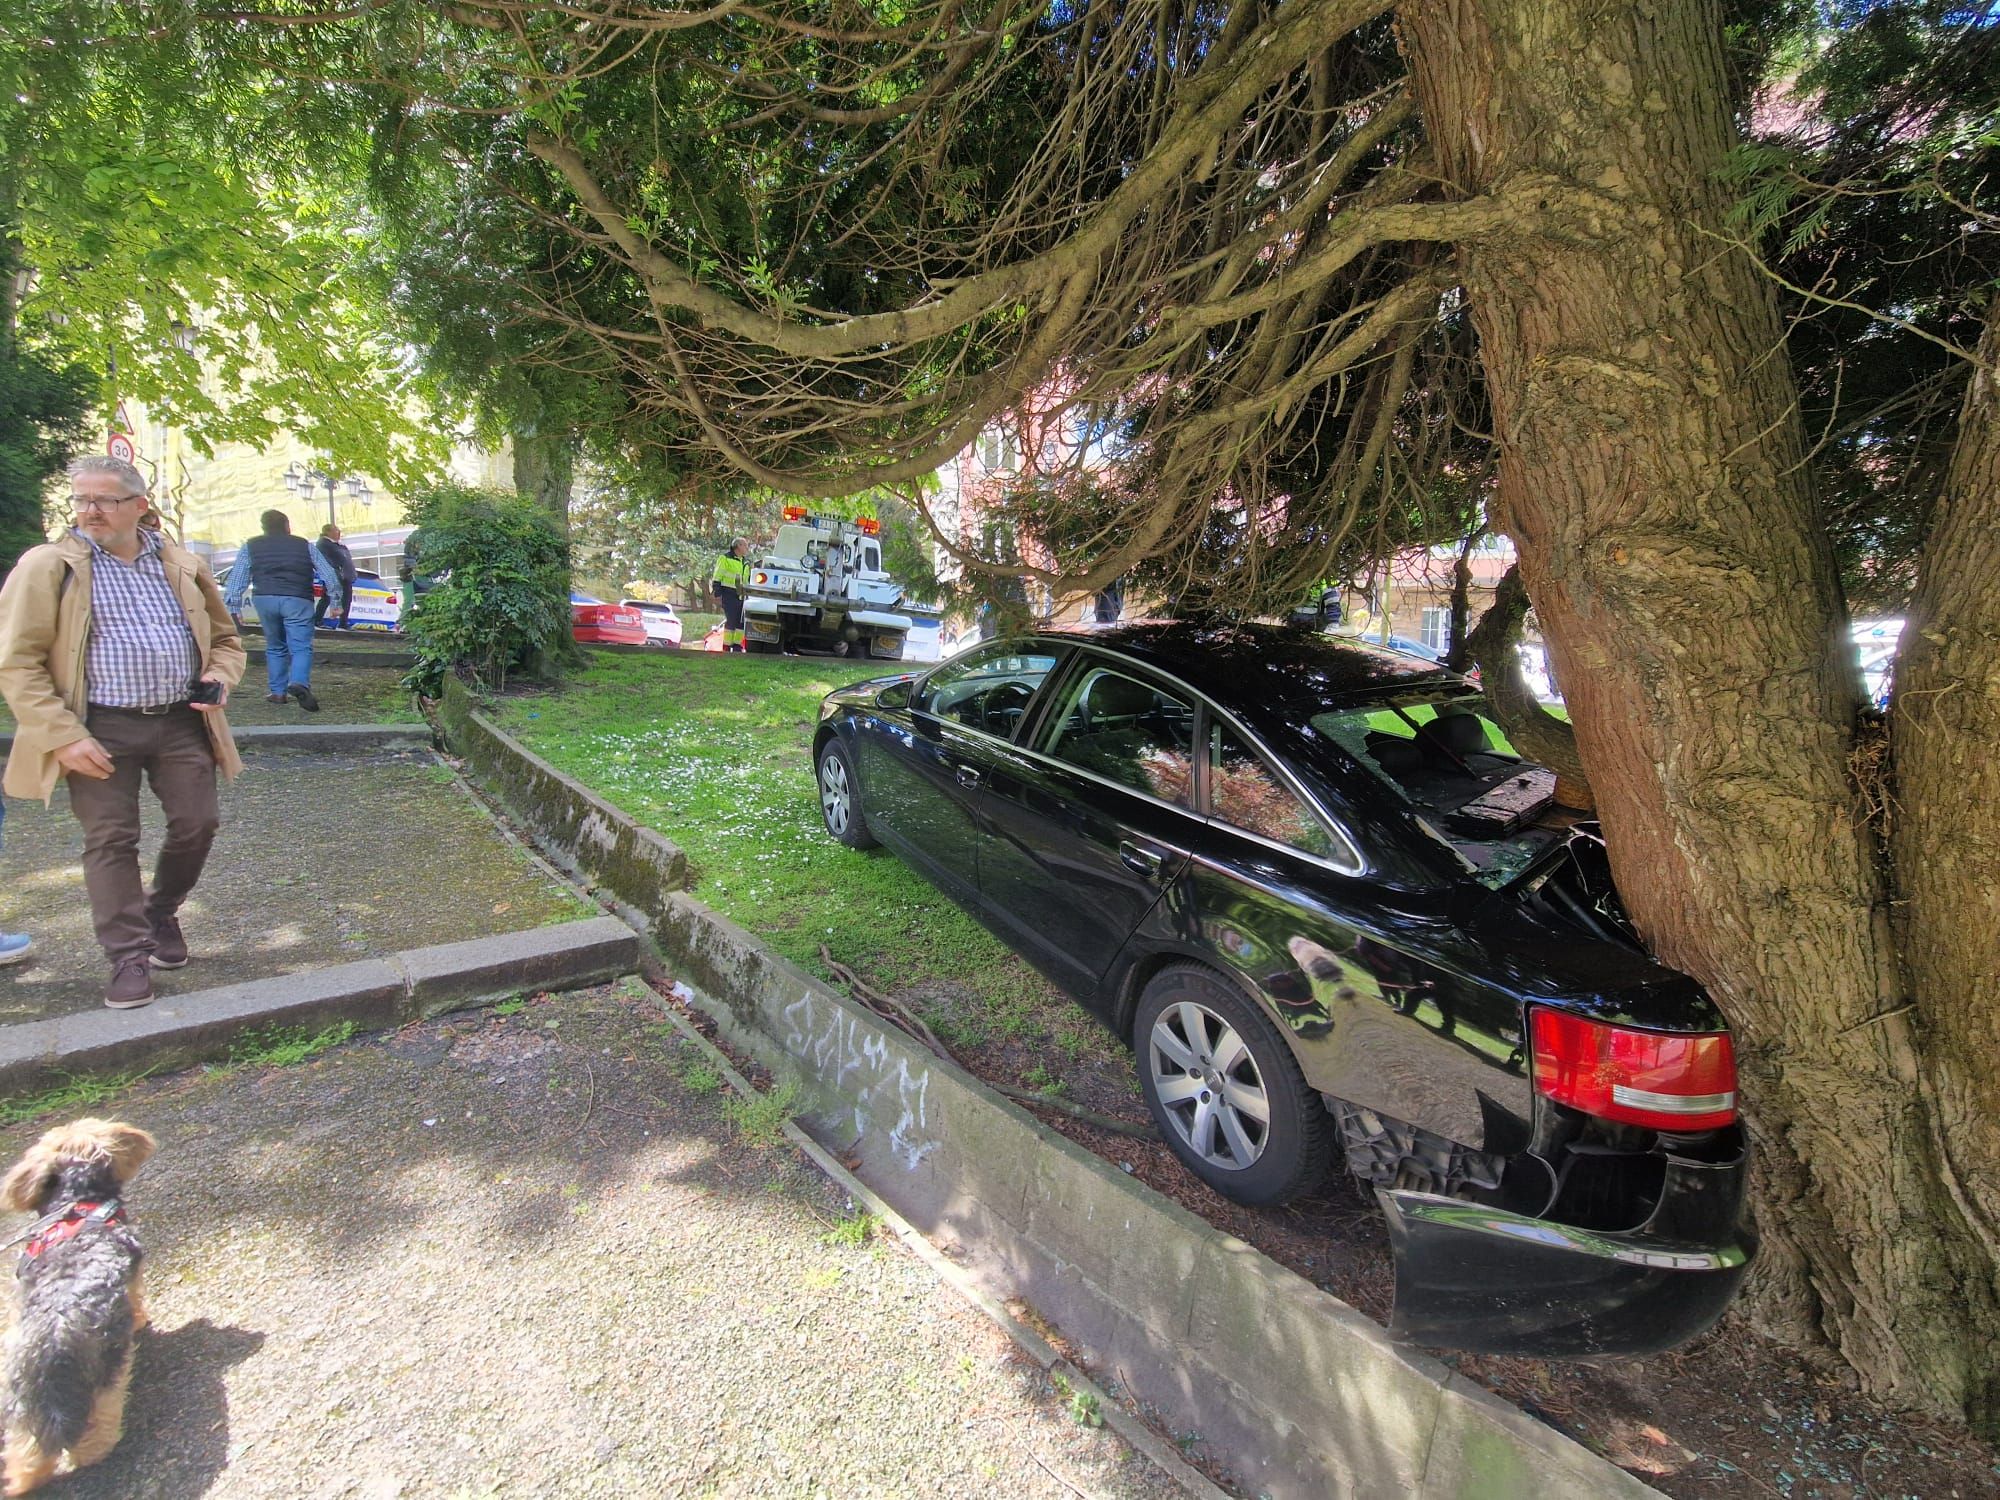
<point x="732" y="571"/>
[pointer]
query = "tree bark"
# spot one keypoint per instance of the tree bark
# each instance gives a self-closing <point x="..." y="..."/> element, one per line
<point x="1652" y="477"/>
<point x="1945" y="812"/>
<point x="1535" y="732"/>
<point x="544" y="470"/>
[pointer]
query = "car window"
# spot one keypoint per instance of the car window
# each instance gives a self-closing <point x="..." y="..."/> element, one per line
<point x="1129" y="732"/>
<point x="988" y="689"/>
<point x="1454" y="765"/>
<point x="1245" y="792"/>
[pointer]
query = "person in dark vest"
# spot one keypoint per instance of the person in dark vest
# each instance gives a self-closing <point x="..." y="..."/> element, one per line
<point x="281" y="567"/>
<point x="341" y="561"/>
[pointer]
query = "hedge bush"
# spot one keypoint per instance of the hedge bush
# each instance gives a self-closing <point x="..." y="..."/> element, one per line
<point x="499" y="603"/>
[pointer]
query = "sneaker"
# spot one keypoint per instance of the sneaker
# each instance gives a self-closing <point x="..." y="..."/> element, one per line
<point x="305" y="696"/>
<point x="131" y="984"/>
<point x="170" y="949"/>
<point x="15" y="947"/>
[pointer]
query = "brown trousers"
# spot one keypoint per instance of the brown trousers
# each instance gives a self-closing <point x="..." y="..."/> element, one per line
<point x="174" y="752"/>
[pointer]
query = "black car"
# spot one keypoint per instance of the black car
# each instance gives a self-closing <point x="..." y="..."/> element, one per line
<point x="1334" y="913"/>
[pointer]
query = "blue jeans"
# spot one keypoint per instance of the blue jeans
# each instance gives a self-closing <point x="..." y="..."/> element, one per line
<point x="288" y="642"/>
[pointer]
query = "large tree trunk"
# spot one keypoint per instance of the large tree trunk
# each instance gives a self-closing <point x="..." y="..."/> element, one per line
<point x="1945" y="812"/>
<point x="1652" y="478"/>
<point x="545" y="470"/>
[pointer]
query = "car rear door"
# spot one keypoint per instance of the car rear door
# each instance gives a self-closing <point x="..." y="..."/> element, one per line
<point x="1088" y="826"/>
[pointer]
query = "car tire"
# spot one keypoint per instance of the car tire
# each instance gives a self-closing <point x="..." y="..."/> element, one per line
<point x="840" y="799"/>
<point x="1209" y="1061"/>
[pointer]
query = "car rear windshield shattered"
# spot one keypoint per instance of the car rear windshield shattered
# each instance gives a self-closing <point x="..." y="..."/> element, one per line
<point x="1454" y="766"/>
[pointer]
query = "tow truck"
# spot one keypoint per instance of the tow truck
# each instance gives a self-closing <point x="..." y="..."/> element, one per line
<point x="819" y="586"/>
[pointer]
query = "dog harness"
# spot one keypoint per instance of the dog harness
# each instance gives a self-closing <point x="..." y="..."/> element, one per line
<point x="67" y="1222"/>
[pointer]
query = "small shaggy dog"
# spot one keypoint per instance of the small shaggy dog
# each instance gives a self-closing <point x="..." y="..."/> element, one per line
<point x="76" y="1302"/>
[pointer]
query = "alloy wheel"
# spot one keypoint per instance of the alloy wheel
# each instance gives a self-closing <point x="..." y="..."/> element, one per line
<point x="836" y="799"/>
<point x="1208" y="1083"/>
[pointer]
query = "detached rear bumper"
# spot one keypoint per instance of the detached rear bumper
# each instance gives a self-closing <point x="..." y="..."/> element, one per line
<point x="1492" y="1282"/>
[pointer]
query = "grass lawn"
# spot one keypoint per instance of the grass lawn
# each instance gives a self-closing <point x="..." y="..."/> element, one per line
<point x="714" y="752"/>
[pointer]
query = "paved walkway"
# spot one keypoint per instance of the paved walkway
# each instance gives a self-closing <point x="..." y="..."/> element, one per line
<point x="322" y="859"/>
<point x="532" y="1255"/>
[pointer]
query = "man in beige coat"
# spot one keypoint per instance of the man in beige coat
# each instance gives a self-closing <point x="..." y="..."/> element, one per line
<point x="116" y="657"/>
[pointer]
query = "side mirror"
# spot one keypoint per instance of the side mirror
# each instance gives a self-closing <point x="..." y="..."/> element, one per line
<point x="895" y="695"/>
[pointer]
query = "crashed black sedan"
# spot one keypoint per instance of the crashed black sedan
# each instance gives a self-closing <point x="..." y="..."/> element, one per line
<point x="1335" y="915"/>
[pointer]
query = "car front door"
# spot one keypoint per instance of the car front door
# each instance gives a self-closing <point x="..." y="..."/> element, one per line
<point x="922" y="770"/>
<point x="1091" y="825"/>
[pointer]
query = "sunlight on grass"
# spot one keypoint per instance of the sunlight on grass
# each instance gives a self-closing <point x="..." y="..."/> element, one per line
<point x="715" y="754"/>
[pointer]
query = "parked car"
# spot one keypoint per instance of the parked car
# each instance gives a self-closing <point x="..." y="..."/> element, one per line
<point x="377" y="605"/>
<point x="1336" y="917"/>
<point x="663" y="626"/>
<point x="594" y="621"/>
<point x="1875" y="643"/>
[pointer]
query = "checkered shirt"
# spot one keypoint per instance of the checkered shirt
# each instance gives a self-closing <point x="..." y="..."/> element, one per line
<point x="141" y="652"/>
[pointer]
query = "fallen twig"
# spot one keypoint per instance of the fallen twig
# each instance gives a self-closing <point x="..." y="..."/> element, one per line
<point x="1077" y="1112"/>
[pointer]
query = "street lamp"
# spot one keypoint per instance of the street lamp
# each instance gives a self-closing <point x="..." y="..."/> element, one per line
<point x="304" y="480"/>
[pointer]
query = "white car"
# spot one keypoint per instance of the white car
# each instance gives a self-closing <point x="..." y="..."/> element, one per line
<point x="663" y="626"/>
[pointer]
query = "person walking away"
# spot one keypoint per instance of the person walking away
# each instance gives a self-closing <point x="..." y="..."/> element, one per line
<point x="282" y="567"/>
<point x="341" y="561"/>
<point x="732" y="571"/>
<point x="14" y="946"/>
<point x="117" y="655"/>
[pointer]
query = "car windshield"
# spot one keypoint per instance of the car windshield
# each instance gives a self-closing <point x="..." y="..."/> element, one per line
<point x="1441" y="753"/>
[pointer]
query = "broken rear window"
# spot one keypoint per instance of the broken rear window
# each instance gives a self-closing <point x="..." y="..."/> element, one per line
<point x="1443" y="755"/>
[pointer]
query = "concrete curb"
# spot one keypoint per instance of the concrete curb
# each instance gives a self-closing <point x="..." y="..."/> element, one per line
<point x="331" y="737"/>
<point x="1301" y="1394"/>
<point x="180" y="1030"/>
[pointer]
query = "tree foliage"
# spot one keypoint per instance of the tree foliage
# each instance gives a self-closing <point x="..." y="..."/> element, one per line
<point x="188" y="232"/>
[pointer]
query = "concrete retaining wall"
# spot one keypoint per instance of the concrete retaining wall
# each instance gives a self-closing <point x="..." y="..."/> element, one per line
<point x="577" y="829"/>
<point x="1298" y="1393"/>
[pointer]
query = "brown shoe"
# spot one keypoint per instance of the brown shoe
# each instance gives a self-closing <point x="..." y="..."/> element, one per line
<point x="276" y="698"/>
<point x="170" y="949"/>
<point x="131" y="984"/>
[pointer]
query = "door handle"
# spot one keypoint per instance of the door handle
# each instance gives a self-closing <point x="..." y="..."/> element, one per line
<point x="967" y="777"/>
<point x="1139" y="859"/>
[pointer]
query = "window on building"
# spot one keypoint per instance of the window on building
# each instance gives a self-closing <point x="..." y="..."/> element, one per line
<point x="998" y="449"/>
<point x="1436" y="632"/>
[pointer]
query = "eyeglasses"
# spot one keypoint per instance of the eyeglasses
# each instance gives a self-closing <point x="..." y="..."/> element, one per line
<point x="79" y="504"/>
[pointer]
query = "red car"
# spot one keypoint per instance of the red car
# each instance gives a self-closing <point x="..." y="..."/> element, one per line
<point x="597" y="623"/>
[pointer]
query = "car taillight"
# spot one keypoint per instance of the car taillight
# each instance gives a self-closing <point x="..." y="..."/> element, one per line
<point x="1663" y="1080"/>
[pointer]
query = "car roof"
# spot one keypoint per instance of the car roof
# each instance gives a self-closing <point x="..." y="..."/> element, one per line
<point x="1275" y="665"/>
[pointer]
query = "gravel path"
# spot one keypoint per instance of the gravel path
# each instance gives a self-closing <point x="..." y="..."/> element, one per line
<point x="536" y="1255"/>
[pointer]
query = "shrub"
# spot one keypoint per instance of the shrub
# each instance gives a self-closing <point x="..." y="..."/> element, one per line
<point x="501" y="600"/>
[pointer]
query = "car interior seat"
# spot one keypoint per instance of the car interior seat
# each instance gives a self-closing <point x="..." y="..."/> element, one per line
<point x="1398" y="755"/>
<point x="1454" y="738"/>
